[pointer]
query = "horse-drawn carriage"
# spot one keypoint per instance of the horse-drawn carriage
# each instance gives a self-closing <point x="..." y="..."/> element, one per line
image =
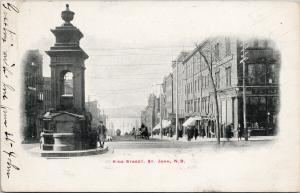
<point x="141" y="133"/>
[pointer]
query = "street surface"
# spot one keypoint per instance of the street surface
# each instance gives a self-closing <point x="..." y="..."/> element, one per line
<point x="126" y="143"/>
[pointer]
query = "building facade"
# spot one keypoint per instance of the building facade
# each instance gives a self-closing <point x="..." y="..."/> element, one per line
<point x="94" y="109"/>
<point x="179" y="90"/>
<point x="223" y="54"/>
<point x="47" y="94"/>
<point x="33" y="88"/>
<point x="149" y="116"/>
<point x="169" y="97"/>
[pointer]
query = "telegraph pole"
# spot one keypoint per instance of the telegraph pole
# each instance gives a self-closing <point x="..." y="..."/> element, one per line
<point x="243" y="61"/>
<point x="160" y="109"/>
<point x="161" y="129"/>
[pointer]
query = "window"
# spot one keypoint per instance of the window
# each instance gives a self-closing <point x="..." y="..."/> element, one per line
<point x="272" y="74"/>
<point x="260" y="73"/>
<point x="199" y="84"/>
<point x="227" y="45"/>
<point x="68" y="84"/>
<point x="251" y="74"/>
<point x="195" y="87"/>
<point x="228" y="76"/>
<point x="217" y="77"/>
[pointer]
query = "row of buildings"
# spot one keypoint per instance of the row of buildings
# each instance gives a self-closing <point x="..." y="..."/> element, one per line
<point x="191" y="83"/>
<point x="37" y="92"/>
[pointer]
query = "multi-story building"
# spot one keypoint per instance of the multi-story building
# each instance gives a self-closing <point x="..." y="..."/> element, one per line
<point x="33" y="88"/>
<point x="169" y="97"/>
<point x="47" y="94"/>
<point x="177" y="65"/>
<point x="149" y="116"/>
<point x="164" y="99"/>
<point x="224" y="55"/>
<point x="92" y="107"/>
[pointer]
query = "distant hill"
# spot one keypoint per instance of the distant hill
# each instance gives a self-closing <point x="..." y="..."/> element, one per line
<point x="124" y="112"/>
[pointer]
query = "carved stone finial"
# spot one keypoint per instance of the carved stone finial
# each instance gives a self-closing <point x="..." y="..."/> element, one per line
<point x="67" y="15"/>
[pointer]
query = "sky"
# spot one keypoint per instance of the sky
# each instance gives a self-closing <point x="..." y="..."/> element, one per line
<point x="131" y="44"/>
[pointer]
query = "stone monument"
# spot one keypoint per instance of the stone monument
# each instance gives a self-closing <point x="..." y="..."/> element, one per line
<point x="67" y="125"/>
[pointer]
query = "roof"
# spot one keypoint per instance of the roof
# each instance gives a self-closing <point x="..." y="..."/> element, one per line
<point x="192" y="53"/>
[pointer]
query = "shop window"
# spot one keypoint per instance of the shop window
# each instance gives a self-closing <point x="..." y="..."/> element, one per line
<point x="260" y="74"/>
<point x="272" y="77"/>
<point x="251" y="74"/>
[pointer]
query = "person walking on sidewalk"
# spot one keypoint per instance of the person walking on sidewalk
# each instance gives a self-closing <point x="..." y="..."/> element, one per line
<point x="102" y="133"/>
<point x="228" y="132"/>
<point x="240" y="132"/>
<point x="196" y="132"/>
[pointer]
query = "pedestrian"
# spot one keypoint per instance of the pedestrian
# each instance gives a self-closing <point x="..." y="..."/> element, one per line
<point x="102" y="133"/>
<point x="146" y="133"/>
<point x="190" y="132"/>
<point x="228" y="132"/>
<point x="202" y="132"/>
<point x="240" y="132"/>
<point x="196" y="132"/>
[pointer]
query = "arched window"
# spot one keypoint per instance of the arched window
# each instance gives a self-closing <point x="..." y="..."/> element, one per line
<point x="68" y="84"/>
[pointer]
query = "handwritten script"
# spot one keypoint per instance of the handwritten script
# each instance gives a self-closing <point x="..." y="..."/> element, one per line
<point x="8" y="50"/>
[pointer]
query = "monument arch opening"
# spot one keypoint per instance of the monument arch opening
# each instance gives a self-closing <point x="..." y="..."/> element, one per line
<point x="67" y="83"/>
<point x="66" y="91"/>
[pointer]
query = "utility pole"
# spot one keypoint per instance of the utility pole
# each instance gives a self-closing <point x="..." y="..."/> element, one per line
<point x="160" y="109"/>
<point x="176" y="123"/>
<point x="161" y="129"/>
<point x="243" y="61"/>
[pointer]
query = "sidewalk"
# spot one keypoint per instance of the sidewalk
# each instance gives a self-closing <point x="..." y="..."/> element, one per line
<point x="205" y="139"/>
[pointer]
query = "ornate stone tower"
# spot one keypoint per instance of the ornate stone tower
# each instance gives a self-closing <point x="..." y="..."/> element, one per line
<point x="67" y="67"/>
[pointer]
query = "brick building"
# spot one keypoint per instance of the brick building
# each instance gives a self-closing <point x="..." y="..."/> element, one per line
<point x="47" y="94"/>
<point x="33" y="88"/>
<point x="178" y="65"/>
<point x="262" y="71"/>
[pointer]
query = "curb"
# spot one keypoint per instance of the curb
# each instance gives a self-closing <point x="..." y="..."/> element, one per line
<point x="74" y="153"/>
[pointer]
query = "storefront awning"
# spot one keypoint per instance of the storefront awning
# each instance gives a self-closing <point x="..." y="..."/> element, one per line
<point x="191" y="121"/>
<point x="165" y="124"/>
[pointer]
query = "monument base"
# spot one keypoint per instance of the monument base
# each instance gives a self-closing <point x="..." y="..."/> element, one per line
<point x="74" y="153"/>
<point x="65" y="131"/>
